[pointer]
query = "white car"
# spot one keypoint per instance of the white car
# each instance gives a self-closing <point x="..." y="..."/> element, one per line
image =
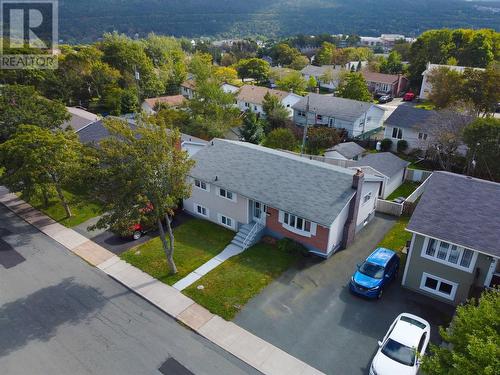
<point x="399" y="351"/>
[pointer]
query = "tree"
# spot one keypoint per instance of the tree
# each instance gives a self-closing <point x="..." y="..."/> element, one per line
<point x="482" y="138"/>
<point x="281" y="138"/>
<point x="293" y="82"/>
<point x="446" y="87"/>
<point x="354" y="87"/>
<point x="324" y="56"/>
<point x="275" y="113"/>
<point x="225" y="74"/>
<point x="143" y="174"/>
<point x="298" y="62"/>
<point x="312" y="84"/>
<point x="392" y="65"/>
<point x="482" y="89"/>
<point x="255" y="68"/>
<point x="201" y="67"/>
<point x="473" y="340"/>
<point x="282" y="54"/>
<point x="252" y="130"/>
<point x="321" y="138"/>
<point x="21" y="105"/>
<point x="228" y="59"/>
<point x="38" y="159"/>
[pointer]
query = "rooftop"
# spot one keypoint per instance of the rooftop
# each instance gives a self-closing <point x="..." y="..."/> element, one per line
<point x="172" y="100"/>
<point x="380" y="77"/>
<point x="255" y="94"/>
<point x="461" y="210"/>
<point x="383" y="162"/>
<point x="312" y="190"/>
<point x="318" y="71"/>
<point x="348" y="149"/>
<point x="79" y="118"/>
<point x="408" y="116"/>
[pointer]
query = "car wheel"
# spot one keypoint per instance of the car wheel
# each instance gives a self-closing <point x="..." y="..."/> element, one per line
<point x="137" y="234"/>
<point x="379" y="295"/>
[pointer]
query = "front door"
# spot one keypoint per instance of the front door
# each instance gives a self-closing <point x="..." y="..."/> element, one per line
<point x="259" y="210"/>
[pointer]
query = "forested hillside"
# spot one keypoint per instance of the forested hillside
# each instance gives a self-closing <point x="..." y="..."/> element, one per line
<point x="88" y="20"/>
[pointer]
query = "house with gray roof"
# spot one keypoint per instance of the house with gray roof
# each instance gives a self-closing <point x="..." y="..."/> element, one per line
<point x="455" y="244"/>
<point x="390" y="168"/>
<point x="321" y="72"/>
<point x="249" y="188"/>
<point x="345" y="151"/>
<point x="80" y="118"/>
<point x="356" y="117"/>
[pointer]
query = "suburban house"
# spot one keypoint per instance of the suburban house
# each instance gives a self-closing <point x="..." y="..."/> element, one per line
<point x="390" y="168"/>
<point x="250" y="98"/>
<point x="80" y="118"/>
<point x="355" y="66"/>
<point x="455" y="243"/>
<point x="188" y="88"/>
<point x="254" y="190"/>
<point x="228" y="88"/>
<point x="149" y="105"/>
<point x="426" y="87"/>
<point x="356" y="117"/>
<point x="319" y="73"/>
<point x="345" y="151"/>
<point x="383" y="84"/>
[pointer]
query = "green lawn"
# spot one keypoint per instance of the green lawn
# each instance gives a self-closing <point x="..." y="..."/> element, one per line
<point x="196" y="242"/>
<point x="426" y="104"/>
<point x="404" y="190"/>
<point x="397" y="237"/>
<point x="81" y="209"/>
<point x="231" y="285"/>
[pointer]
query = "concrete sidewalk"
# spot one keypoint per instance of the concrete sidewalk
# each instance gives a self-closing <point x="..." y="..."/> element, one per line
<point x="242" y="344"/>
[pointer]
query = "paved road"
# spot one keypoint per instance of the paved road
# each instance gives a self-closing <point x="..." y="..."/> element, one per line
<point x="310" y="313"/>
<point x="59" y="315"/>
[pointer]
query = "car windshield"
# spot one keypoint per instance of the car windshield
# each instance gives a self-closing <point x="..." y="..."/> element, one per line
<point x="372" y="270"/>
<point x="399" y="352"/>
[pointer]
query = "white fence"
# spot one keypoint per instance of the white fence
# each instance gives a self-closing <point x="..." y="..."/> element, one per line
<point x="418" y="191"/>
<point x="390" y="208"/>
<point x="417" y="175"/>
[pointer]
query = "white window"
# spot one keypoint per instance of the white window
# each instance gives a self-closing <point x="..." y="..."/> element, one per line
<point x="422" y="136"/>
<point x="200" y="210"/>
<point x="301" y="113"/>
<point x="227" y="194"/>
<point x="438" y="286"/>
<point x="226" y="221"/>
<point x="297" y="222"/>
<point x="397" y="133"/>
<point x="451" y="255"/>
<point x="367" y="197"/>
<point x="201" y="185"/>
<point x="247" y="104"/>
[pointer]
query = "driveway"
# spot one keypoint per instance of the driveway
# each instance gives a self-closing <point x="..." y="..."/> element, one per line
<point x="310" y="313"/>
<point x="117" y="244"/>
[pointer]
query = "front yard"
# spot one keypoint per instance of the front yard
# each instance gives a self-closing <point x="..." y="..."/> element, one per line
<point x="226" y="289"/>
<point x="196" y="242"/>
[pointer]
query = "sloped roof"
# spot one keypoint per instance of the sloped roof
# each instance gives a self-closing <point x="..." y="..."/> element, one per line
<point x="310" y="189"/>
<point x="384" y="162"/>
<point x="255" y="94"/>
<point x="408" y="116"/>
<point x="332" y="106"/>
<point x="79" y="118"/>
<point x="380" y="77"/>
<point x="189" y="83"/>
<point x="172" y="100"/>
<point x="461" y="210"/>
<point x="318" y="71"/>
<point x="348" y="149"/>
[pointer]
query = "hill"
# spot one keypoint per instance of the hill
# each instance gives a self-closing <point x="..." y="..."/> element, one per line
<point x="87" y="20"/>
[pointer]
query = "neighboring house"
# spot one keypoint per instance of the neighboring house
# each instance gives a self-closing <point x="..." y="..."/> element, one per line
<point x="426" y="87"/>
<point x="188" y="88"/>
<point x="149" y="105"/>
<point x="318" y="72"/>
<point x="345" y="151"/>
<point x="455" y="244"/>
<point x="387" y="166"/>
<point x="355" y="66"/>
<point x="382" y="84"/>
<point x="241" y="185"/>
<point x="80" y="118"/>
<point x="250" y="98"/>
<point x="95" y="132"/>
<point x="228" y="88"/>
<point x="354" y="116"/>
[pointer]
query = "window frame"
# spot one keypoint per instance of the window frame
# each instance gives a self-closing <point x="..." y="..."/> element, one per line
<point x="399" y="133"/>
<point x="446" y="261"/>
<point x="369" y="195"/>
<point x="422" y="136"/>
<point x="437" y="292"/>
<point x="307" y="227"/>
<point x="201" y="183"/>
<point x="207" y="211"/>
<point x="220" y="219"/>
<point x="226" y="191"/>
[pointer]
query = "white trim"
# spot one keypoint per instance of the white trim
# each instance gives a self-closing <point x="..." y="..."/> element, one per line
<point x="234" y="199"/>
<point x="491" y="272"/>
<point x="233" y="223"/>
<point x="207" y="185"/>
<point x="445" y="262"/>
<point x="436" y="291"/>
<point x="297" y="231"/>
<point x="303" y="233"/>
<point x="196" y="205"/>
<point x="408" y="256"/>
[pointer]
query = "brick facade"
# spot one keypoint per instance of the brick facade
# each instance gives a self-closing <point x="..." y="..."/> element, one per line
<point x="319" y="242"/>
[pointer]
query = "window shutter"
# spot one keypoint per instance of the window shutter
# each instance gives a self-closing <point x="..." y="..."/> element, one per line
<point x="281" y="217"/>
<point x="313" y="228"/>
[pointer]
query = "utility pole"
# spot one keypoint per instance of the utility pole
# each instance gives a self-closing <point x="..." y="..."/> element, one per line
<point x="304" y="137"/>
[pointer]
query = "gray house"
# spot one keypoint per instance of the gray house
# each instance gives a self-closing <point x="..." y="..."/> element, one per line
<point x="345" y="151"/>
<point x="356" y="117"/>
<point x="254" y="190"/>
<point x="455" y="245"/>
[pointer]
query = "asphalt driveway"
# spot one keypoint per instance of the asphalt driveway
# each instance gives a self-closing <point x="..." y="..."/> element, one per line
<point x="310" y="313"/>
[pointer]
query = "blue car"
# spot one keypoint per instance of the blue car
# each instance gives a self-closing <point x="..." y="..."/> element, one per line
<point x="373" y="275"/>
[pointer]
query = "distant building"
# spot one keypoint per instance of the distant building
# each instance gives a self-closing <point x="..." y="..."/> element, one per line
<point x="345" y="151"/>
<point x="379" y="83"/>
<point x="188" y="88"/>
<point x="250" y="98"/>
<point x="80" y="118"/>
<point x="319" y="72"/>
<point x="149" y="105"/>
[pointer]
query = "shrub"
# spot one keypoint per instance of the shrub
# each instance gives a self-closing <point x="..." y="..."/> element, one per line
<point x="281" y="138"/>
<point x="386" y="144"/>
<point x="402" y="145"/>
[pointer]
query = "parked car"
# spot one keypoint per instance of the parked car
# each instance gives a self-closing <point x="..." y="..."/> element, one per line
<point x="399" y="351"/>
<point x="408" y="97"/>
<point x="385" y="99"/>
<point x="375" y="273"/>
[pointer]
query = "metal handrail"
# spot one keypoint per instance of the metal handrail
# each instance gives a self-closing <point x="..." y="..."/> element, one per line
<point x="253" y="232"/>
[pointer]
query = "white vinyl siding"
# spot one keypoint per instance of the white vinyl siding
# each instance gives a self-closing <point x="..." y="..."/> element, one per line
<point x="449" y="254"/>
<point x="438" y="286"/>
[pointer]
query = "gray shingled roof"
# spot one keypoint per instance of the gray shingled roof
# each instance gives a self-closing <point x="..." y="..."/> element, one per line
<point x="348" y="149"/>
<point x="318" y="71"/>
<point x="345" y="109"/>
<point x="309" y="189"/>
<point x="461" y="210"/>
<point x="407" y="116"/>
<point x="384" y="162"/>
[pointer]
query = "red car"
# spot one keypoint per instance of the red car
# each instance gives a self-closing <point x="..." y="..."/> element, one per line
<point x="409" y="96"/>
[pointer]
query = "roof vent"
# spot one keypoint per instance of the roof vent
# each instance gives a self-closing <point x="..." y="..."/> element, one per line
<point x="216" y="178"/>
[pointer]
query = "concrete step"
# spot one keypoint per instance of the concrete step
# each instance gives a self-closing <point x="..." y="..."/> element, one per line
<point x="237" y="243"/>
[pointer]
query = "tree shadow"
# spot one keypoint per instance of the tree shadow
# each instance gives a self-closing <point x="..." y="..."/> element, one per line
<point x="38" y="315"/>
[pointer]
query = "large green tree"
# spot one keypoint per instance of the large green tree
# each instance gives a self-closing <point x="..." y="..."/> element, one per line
<point x="446" y="86"/>
<point x="293" y="82"/>
<point x="354" y="86"/>
<point x="255" y="68"/>
<point x="252" y="130"/>
<point x="473" y="340"/>
<point x="482" y="89"/>
<point x="282" y="138"/>
<point x="143" y="175"/>
<point x="325" y="54"/>
<point x="276" y="114"/>
<point x="392" y="65"/>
